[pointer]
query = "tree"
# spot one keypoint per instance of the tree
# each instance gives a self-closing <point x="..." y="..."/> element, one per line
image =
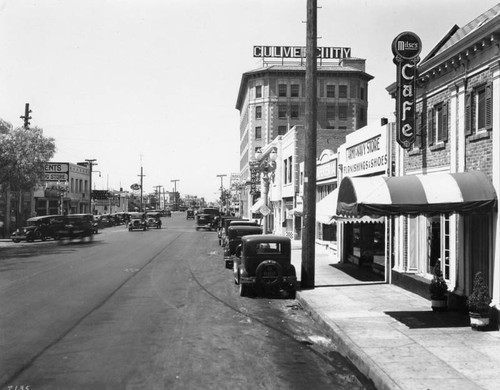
<point x="23" y="154"/>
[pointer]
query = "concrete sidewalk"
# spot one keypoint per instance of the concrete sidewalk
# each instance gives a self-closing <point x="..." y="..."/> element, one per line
<point x="393" y="336"/>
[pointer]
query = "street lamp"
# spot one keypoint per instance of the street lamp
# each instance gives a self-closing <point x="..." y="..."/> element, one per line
<point x="62" y="188"/>
<point x="265" y="165"/>
<point x="222" y="190"/>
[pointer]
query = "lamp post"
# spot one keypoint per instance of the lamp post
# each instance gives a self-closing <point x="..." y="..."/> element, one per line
<point x="175" y="193"/>
<point x="265" y="165"/>
<point x="221" y="189"/>
<point x="62" y="188"/>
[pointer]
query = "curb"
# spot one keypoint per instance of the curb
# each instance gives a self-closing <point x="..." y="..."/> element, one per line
<point x="350" y="350"/>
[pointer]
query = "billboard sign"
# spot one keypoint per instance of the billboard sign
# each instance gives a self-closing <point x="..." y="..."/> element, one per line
<point x="56" y="172"/>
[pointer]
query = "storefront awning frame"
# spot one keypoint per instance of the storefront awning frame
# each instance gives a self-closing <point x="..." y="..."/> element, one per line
<point x="464" y="193"/>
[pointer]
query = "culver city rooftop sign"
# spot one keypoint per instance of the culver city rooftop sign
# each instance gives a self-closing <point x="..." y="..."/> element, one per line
<point x="300" y="52"/>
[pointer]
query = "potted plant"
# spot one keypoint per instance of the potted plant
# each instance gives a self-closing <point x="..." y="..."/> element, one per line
<point x="438" y="290"/>
<point x="478" y="303"/>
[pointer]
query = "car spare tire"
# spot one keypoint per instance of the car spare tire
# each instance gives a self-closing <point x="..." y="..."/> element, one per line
<point x="269" y="273"/>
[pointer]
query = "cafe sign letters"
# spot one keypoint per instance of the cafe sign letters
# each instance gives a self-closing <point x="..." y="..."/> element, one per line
<point x="406" y="48"/>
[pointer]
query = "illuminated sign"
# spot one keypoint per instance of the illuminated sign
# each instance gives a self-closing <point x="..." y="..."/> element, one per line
<point x="406" y="48"/>
<point x="300" y="52"/>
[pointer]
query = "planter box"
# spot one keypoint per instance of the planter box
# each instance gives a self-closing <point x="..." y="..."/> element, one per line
<point x="439" y="304"/>
<point x="479" y="321"/>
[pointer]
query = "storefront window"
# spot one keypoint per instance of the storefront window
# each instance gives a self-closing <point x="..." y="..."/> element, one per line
<point x="439" y="244"/>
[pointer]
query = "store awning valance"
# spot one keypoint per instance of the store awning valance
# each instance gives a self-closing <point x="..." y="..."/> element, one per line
<point x="464" y="193"/>
<point x="257" y="205"/>
<point x="298" y="210"/>
<point x="326" y="211"/>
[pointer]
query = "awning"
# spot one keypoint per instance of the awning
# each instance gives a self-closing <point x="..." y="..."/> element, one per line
<point x="257" y="205"/>
<point x="326" y="211"/>
<point x="464" y="193"/>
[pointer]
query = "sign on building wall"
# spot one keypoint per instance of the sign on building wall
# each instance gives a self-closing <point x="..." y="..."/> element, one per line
<point x="365" y="152"/>
<point x="406" y="48"/>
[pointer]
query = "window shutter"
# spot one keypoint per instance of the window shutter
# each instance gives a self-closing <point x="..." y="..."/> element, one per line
<point x="430" y="127"/>
<point x="468" y="114"/>
<point x="445" y="123"/>
<point x="489" y="106"/>
<point x="418" y="131"/>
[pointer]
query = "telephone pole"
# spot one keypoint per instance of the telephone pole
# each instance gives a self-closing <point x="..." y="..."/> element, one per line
<point x="26" y="117"/>
<point x="308" y="237"/>
<point x="141" y="175"/>
<point x="176" y="206"/>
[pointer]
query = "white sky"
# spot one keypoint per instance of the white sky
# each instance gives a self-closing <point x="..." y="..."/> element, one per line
<point x="155" y="82"/>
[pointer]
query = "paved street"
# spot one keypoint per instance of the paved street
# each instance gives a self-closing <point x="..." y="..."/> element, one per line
<point x="153" y="310"/>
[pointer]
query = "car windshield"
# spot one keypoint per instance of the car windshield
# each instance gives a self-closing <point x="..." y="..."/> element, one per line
<point x="135" y="215"/>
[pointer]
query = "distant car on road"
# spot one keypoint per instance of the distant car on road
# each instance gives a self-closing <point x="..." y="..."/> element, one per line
<point x="189" y="214"/>
<point x="137" y="222"/>
<point x="37" y="228"/>
<point x="168" y="213"/>
<point x="74" y="226"/>
<point x="265" y="265"/>
<point x="207" y="218"/>
<point x="153" y="219"/>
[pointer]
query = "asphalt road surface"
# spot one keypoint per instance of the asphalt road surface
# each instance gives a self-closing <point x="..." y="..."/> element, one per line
<point x="151" y="310"/>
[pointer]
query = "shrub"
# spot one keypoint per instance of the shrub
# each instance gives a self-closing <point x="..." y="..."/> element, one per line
<point x="438" y="287"/>
<point x="479" y="300"/>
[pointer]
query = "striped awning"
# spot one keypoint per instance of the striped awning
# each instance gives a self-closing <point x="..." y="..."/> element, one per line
<point x="464" y="193"/>
<point x="326" y="211"/>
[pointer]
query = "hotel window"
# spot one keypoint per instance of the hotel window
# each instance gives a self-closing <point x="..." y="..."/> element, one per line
<point x="294" y="90"/>
<point x="437" y="124"/>
<point x="343" y="112"/>
<point x="258" y="112"/>
<point x="282" y="90"/>
<point x="258" y="132"/>
<point x="282" y="111"/>
<point x="362" y="93"/>
<point x="285" y="170"/>
<point x="330" y="112"/>
<point x="258" y="91"/>
<point x="342" y="91"/>
<point x="330" y="91"/>
<point x="479" y="109"/>
<point x="282" y="130"/>
<point x="294" y="111"/>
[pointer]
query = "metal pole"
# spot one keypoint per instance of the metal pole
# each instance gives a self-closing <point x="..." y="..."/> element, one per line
<point x="175" y="193"/>
<point x="90" y="162"/>
<point x="308" y="237"/>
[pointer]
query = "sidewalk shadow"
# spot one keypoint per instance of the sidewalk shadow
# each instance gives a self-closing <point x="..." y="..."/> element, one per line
<point x="430" y="319"/>
<point x="360" y="273"/>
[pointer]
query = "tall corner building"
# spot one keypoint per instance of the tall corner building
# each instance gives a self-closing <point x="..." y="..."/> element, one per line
<point x="272" y="100"/>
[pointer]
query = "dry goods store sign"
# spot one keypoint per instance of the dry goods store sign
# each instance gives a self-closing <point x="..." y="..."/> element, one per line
<point x="367" y="157"/>
<point x="406" y="48"/>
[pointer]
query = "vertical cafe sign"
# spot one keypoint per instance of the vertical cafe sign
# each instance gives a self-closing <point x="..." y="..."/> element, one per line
<point x="406" y="48"/>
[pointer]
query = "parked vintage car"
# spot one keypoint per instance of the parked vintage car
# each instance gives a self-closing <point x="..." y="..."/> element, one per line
<point x="236" y="222"/>
<point x="207" y="218"/>
<point x="189" y="214"/>
<point x="264" y="265"/>
<point x="37" y="228"/>
<point x="221" y="227"/>
<point x="168" y="213"/>
<point x="74" y="226"/>
<point x="153" y="219"/>
<point x="137" y="222"/>
<point x="233" y="241"/>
